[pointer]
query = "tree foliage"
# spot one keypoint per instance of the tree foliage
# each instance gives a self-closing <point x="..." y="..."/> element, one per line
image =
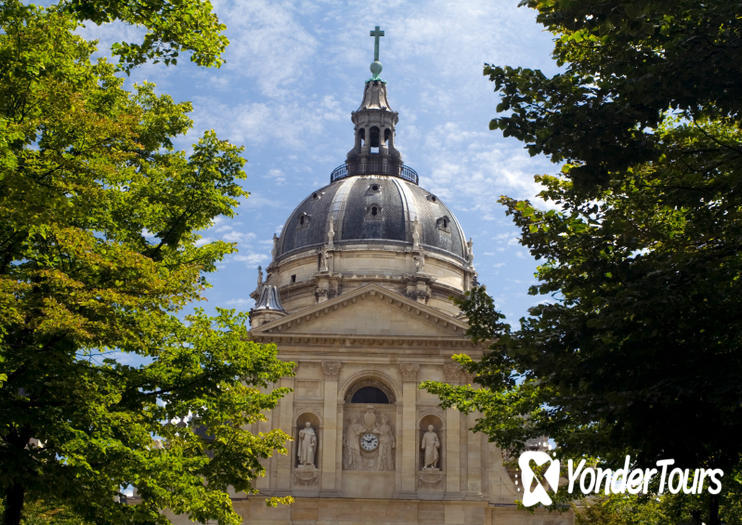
<point x="104" y="385"/>
<point x="173" y="26"/>
<point x="636" y="349"/>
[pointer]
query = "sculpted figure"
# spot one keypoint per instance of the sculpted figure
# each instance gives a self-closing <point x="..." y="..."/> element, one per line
<point x="386" y="446"/>
<point x="419" y="262"/>
<point x="430" y="444"/>
<point x="260" y="277"/>
<point x="352" y="444"/>
<point x="331" y="236"/>
<point x="274" y="250"/>
<point x="416" y="235"/>
<point x="307" y="445"/>
<point x="323" y="260"/>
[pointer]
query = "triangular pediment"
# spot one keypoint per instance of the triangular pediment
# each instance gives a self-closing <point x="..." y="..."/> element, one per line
<point x="368" y="311"/>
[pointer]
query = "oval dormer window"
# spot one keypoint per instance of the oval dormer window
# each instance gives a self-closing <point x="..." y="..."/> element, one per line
<point x="373" y="211"/>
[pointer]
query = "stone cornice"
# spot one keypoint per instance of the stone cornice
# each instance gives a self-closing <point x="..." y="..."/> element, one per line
<point x="366" y="340"/>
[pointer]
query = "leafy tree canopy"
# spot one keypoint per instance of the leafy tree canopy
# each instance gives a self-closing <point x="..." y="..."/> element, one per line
<point x="636" y="349"/>
<point x="172" y="26"/>
<point x="98" y="256"/>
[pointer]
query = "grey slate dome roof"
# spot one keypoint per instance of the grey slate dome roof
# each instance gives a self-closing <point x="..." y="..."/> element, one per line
<point x="371" y="209"/>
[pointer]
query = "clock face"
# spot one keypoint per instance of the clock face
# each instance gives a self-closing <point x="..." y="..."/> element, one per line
<point x="369" y="442"/>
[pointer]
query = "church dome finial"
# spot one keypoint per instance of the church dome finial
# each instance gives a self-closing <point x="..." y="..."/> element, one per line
<point x="376" y="66"/>
<point x="374" y="152"/>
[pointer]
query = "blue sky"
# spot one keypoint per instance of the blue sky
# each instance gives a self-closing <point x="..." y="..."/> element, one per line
<point x="295" y="70"/>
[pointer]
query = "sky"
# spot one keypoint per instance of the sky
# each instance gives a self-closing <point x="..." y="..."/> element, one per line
<point x="294" y="71"/>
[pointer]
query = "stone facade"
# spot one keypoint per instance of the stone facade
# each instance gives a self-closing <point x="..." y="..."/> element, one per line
<point x="358" y="295"/>
<point x="360" y="358"/>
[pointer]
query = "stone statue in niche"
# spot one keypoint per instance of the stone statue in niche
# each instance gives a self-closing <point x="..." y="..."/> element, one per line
<point x="430" y="444"/>
<point x="353" y="445"/>
<point x="260" y="278"/>
<point x="307" y="446"/>
<point x="385" y="459"/>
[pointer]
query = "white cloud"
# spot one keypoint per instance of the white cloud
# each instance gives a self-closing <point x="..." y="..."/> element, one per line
<point x="251" y="259"/>
<point x="268" y="43"/>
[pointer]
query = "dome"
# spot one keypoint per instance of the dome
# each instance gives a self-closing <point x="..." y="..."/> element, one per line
<point x="370" y="209"/>
<point x="372" y="225"/>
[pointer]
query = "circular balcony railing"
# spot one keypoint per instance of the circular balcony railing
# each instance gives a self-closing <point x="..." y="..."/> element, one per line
<point x="373" y="166"/>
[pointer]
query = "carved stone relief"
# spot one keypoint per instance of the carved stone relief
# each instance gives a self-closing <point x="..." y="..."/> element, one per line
<point x="369" y="443"/>
<point x="409" y="371"/>
<point x="331" y="369"/>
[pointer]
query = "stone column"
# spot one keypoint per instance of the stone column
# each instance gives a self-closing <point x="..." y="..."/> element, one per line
<point x="453" y="450"/>
<point x="329" y="430"/>
<point x="286" y="423"/>
<point x="452" y="375"/>
<point x="474" y="457"/>
<point x="409" y="425"/>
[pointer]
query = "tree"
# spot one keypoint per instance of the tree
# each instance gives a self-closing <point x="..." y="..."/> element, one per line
<point x="637" y="349"/>
<point x="98" y="258"/>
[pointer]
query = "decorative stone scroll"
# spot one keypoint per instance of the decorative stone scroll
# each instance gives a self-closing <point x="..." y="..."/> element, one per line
<point x="429" y="479"/>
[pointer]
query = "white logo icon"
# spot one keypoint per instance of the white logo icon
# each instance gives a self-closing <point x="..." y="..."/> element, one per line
<point x="534" y="493"/>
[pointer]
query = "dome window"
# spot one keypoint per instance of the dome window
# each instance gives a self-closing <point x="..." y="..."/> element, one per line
<point x="304" y="219"/>
<point x="443" y="223"/>
<point x="375" y="187"/>
<point x="373" y="212"/>
<point x="431" y="197"/>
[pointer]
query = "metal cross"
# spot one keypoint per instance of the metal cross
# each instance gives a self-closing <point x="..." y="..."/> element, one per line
<point x="376" y="33"/>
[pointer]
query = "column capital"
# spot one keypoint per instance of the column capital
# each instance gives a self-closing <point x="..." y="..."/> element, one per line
<point x="454" y="373"/>
<point x="331" y="369"/>
<point x="409" y="371"/>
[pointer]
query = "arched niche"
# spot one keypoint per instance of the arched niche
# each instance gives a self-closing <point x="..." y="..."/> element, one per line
<point x="374" y="140"/>
<point x="437" y="424"/>
<point x="370" y="424"/>
<point x="301" y="423"/>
